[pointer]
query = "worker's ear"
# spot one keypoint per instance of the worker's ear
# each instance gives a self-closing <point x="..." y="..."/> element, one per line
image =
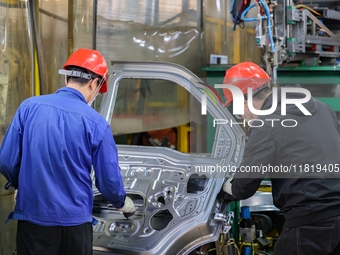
<point x="93" y="83"/>
<point x="246" y="105"/>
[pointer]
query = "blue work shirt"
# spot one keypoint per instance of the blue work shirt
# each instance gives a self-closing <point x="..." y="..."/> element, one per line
<point x="48" y="153"/>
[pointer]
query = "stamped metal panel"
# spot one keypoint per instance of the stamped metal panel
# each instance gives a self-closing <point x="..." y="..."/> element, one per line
<point x="175" y="203"/>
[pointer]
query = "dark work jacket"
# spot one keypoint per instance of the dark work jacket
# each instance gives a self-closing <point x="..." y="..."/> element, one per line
<point x="303" y="197"/>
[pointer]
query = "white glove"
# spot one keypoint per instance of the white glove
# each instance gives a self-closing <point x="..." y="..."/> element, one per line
<point x="129" y="206"/>
<point x="227" y="186"/>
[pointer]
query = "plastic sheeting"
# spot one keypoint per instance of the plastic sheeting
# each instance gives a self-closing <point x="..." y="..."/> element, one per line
<point x="15" y="83"/>
<point x="181" y="31"/>
<point x="15" y="86"/>
<point x="151" y="30"/>
<point x="55" y="41"/>
<point x="53" y="24"/>
<point x="185" y="32"/>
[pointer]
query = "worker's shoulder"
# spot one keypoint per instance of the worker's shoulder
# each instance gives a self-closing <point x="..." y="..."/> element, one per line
<point x="322" y="105"/>
<point x="35" y="99"/>
<point x="68" y="106"/>
<point x="94" y="116"/>
<point x="31" y="101"/>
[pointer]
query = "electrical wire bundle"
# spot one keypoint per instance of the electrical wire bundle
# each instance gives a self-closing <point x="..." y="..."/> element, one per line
<point x="242" y="8"/>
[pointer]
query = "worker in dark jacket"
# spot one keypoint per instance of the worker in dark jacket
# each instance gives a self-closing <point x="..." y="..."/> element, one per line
<point x="302" y="159"/>
<point x="47" y="155"/>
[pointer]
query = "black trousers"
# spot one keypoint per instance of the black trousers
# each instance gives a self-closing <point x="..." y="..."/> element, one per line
<point x="33" y="239"/>
<point x="321" y="238"/>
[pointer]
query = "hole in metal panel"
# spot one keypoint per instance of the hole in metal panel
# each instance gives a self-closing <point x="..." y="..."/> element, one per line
<point x="161" y="200"/>
<point x="161" y="220"/>
<point x="196" y="183"/>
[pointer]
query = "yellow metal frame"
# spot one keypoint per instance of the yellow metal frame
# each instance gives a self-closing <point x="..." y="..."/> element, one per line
<point x="36" y="73"/>
<point x="183" y="138"/>
<point x="9" y="1"/>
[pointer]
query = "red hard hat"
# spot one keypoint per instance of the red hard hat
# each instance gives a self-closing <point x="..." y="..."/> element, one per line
<point x="244" y="75"/>
<point x="91" y="60"/>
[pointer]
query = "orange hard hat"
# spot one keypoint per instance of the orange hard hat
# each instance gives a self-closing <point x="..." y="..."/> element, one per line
<point x="244" y="75"/>
<point x="91" y="60"/>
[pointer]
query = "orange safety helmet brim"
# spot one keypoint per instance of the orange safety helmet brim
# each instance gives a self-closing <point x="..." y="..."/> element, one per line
<point x="244" y="75"/>
<point x="91" y="60"/>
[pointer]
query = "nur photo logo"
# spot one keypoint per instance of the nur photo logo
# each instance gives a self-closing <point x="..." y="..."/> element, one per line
<point x="239" y="102"/>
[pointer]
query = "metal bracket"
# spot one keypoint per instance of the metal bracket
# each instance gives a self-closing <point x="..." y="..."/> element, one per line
<point x="226" y="219"/>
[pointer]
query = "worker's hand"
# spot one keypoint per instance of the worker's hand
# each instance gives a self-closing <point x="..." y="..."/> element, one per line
<point x="129" y="206"/>
<point x="227" y="186"/>
<point x="225" y="196"/>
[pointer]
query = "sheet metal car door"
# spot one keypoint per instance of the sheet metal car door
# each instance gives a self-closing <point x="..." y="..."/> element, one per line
<point x="176" y="205"/>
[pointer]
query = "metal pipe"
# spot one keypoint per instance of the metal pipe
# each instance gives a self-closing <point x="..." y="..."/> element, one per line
<point x="38" y="51"/>
<point x="148" y="17"/>
<point x="31" y="37"/>
<point x="94" y="30"/>
<point x="52" y="15"/>
<point x="70" y="40"/>
<point x="156" y="14"/>
<point x="274" y="76"/>
<point x="201" y="26"/>
<point x="287" y="3"/>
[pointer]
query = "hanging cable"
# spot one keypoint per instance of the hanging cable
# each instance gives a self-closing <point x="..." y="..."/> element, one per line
<point x="236" y="13"/>
<point x="231" y="241"/>
<point x="231" y="8"/>
<point x="235" y="19"/>
<point x="265" y="6"/>
<point x="242" y="18"/>
<point x="307" y="7"/>
<point x="244" y="13"/>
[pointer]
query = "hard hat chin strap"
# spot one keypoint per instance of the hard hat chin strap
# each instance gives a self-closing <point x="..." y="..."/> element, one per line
<point x="100" y="84"/>
<point x="96" y="92"/>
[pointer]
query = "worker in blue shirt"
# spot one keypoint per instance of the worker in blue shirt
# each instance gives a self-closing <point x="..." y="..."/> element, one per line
<point x="47" y="155"/>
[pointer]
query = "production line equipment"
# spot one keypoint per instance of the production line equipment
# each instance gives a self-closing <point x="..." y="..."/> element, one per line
<point x="289" y="31"/>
